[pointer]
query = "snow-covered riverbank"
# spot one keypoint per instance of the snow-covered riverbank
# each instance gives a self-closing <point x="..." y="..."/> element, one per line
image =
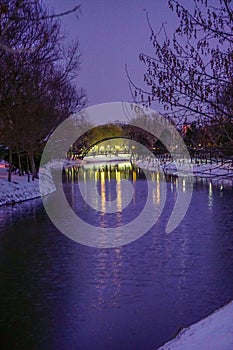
<point x="215" y="332"/>
<point x="107" y="158"/>
<point x="221" y="174"/>
<point x="18" y="190"/>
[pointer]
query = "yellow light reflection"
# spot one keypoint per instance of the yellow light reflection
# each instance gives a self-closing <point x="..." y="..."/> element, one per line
<point x="96" y="176"/>
<point x="156" y="192"/>
<point x="103" y="192"/>
<point x="119" y="192"/>
<point x="134" y="177"/>
<point x="184" y="185"/>
<point x="134" y="183"/>
<point x="158" y="188"/>
<point x="210" y="197"/>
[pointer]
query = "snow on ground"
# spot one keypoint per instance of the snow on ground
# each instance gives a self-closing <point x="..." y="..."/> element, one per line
<point x="212" y="333"/>
<point x="108" y="158"/>
<point x="18" y="190"/>
<point x="217" y="173"/>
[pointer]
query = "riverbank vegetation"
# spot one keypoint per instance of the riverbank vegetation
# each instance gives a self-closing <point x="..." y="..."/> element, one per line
<point x="38" y="74"/>
<point x="190" y="72"/>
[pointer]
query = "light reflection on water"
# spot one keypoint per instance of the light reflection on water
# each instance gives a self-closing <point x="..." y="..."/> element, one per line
<point x="57" y="294"/>
<point x="210" y="202"/>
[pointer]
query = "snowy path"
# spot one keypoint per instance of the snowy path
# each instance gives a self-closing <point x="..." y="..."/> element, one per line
<point x="215" y="332"/>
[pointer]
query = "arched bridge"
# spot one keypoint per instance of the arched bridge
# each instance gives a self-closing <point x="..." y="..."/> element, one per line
<point x="87" y="149"/>
<point x="109" y="132"/>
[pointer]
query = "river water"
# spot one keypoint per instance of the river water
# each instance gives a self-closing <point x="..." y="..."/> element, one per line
<point x="58" y="294"/>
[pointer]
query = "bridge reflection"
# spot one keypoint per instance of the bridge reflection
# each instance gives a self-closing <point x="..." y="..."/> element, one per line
<point x="107" y="174"/>
<point x="98" y="172"/>
<point x="104" y="171"/>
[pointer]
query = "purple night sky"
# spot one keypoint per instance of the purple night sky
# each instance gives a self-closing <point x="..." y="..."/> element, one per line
<point x="111" y="34"/>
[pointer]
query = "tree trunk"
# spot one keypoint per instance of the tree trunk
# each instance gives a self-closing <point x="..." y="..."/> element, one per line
<point x="19" y="163"/>
<point x="32" y="163"/>
<point x="10" y="165"/>
<point x="33" y="166"/>
<point x="28" y="170"/>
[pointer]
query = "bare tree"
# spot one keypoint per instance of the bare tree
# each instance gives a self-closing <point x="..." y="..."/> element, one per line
<point x="37" y="89"/>
<point x="190" y="69"/>
<point x="16" y="15"/>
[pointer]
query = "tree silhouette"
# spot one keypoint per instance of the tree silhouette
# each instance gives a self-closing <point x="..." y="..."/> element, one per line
<point x="192" y="69"/>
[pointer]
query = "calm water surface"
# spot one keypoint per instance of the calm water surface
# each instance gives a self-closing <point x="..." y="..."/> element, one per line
<point x="58" y="294"/>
